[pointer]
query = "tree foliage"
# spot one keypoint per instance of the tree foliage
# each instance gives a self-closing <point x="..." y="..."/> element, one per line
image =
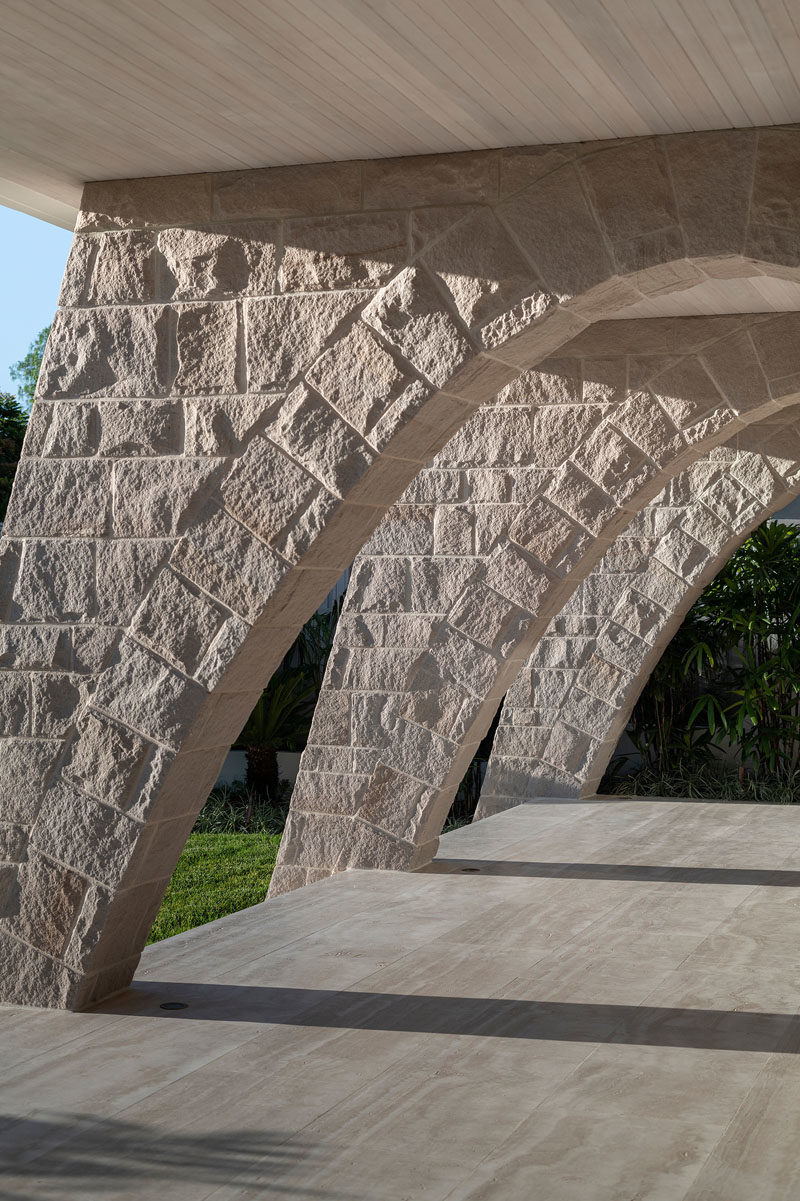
<point x="25" y="373"/>
<point x="730" y="678"/>
<point x="13" y="420"/>
<point x="282" y="717"/>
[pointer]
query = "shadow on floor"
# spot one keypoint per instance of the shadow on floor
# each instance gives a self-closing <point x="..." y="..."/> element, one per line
<point x="646" y="873"/>
<point x="490" y="1017"/>
<point x="54" y="1157"/>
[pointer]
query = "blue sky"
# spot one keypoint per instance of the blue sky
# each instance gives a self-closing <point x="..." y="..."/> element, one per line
<point x="33" y="254"/>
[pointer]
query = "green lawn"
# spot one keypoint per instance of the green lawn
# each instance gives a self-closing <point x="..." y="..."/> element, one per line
<point x="215" y="875"/>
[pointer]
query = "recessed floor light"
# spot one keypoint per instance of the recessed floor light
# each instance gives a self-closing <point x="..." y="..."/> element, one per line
<point x="470" y="870"/>
<point x="173" y="1005"/>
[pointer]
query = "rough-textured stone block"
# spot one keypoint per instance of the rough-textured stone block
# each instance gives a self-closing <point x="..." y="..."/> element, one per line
<point x="219" y="261"/>
<point x="328" y="792"/>
<point x="553" y="223"/>
<point x="160" y="498"/>
<point x="411" y="316"/>
<point x="372" y="670"/>
<point x="603" y="680"/>
<point x="642" y="207"/>
<point x="55" y="699"/>
<point x="500" y="436"/>
<point x="56" y="580"/>
<point x="642" y="420"/>
<point x="754" y="474"/>
<point x="286" y="333"/>
<point x="405" y="530"/>
<point x="546" y="532"/>
<point x="331" y="724"/>
<point x="267" y="491"/>
<point x="362" y="250"/>
<point x="129" y="429"/>
<point x="581" y="499"/>
<point x="55" y="498"/>
<point x="394" y="802"/>
<point x="86" y="836"/>
<point x="220" y="654"/>
<point x="225" y="426"/>
<point x="518" y="579"/>
<point x="615" y="464"/>
<point x="139" y="689"/>
<point x="77" y="271"/>
<point x="124" y="269"/>
<point x="453" y="530"/>
<point x="711" y="174"/>
<point x="73" y="430"/>
<point x="379" y="585"/>
<point x="567" y="748"/>
<point x="105" y="759"/>
<point x="559" y="431"/>
<point x="134" y="203"/>
<point x="731" y="502"/>
<point x="362" y="380"/>
<point x="288" y="191"/>
<point x="436" y="584"/>
<point x="106" y="352"/>
<point x="207" y="343"/>
<point x="418" y="752"/>
<point x="50" y="897"/>
<point x="177" y="621"/>
<point x="226" y="560"/>
<point x="314" y="435"/>
<point x="431" y="179"/>
<point x="682" y="554"/>
<point x="483" y="270"/>
<point x="662" y="585"/>
<point x="26" y="765"/>
<point x="454" y="658"/>
<point x="124" y="571"/>
<point x="777" y="178"/>
<point x="639" y="615"/>
<point x="621" y="647"/>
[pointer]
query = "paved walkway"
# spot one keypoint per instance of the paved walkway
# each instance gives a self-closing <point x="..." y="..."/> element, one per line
<point x="579" y="1001"/>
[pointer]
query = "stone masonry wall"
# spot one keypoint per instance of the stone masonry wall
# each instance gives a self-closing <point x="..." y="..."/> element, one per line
<point x="563" y="716"/>
<point x="246" y="370"/>
<point x="488" y="545"/>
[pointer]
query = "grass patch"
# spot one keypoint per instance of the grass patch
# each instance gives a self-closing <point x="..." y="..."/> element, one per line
<point x="217" y="874"/>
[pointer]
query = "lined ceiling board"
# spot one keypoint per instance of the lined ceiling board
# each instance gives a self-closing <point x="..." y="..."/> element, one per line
<point x="111" y="88"/>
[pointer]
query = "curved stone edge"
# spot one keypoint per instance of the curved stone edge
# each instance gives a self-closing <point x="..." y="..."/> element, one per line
<point x="563" y="716"/>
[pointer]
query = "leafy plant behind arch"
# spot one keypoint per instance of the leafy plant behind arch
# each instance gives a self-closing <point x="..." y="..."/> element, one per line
<point x="730" y="678"/>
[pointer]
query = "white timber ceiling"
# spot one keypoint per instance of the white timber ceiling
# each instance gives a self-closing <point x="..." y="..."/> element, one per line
<point x="100" y="89"/>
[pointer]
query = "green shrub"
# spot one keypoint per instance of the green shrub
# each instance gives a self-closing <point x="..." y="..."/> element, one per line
<point x="729" y="681"/>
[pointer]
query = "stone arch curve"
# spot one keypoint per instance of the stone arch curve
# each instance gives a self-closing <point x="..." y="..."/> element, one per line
<point x="246" y="369"/>
<point x="483" y="550"/>
<point x="563" y="715"/>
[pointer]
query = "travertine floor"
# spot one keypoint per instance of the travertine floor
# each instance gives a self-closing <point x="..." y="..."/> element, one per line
<point x="604" y="1011"/>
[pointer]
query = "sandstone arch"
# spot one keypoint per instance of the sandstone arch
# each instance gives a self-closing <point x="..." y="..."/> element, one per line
<point x="482" y="551"/>
<point x="246" y="370"/>
<point x="563" y="715"/>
